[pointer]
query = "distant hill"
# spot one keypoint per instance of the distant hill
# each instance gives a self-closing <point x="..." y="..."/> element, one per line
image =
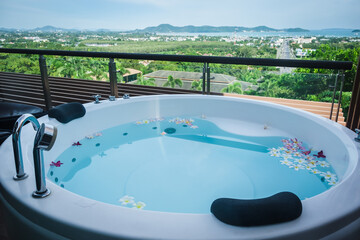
<point x="8" y="30"/>
<point x="356" y="31"/>
<point x="167" y="28"/>
<point x="295" y="30"/>
<point x="53" y="29"/>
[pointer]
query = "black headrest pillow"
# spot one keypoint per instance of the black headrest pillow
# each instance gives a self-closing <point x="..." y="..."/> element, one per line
<point x="67" y="112"/>
<point x="281" y="207"/>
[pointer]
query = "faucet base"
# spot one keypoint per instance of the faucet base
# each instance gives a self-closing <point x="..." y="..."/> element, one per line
<point x="37" y="194"/>
<point x="18" y="178"/>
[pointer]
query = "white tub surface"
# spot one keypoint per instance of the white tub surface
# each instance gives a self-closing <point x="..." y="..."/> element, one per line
<point x="74" y="216"/>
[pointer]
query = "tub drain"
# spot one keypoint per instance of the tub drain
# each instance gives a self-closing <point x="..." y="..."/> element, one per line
<point x="170" y="130"/>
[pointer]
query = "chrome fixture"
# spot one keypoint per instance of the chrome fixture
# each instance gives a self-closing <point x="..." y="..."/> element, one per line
<point x="112" y="98"/>
<point x="97" y="98"/>
<point x="44" y="140"/>
<point x="357" y="131"/>
<point x="126" y="96"/>
<point x="19" y="165"/>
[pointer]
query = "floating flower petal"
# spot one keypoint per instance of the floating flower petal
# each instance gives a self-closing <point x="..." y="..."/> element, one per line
<point x="315" y="171"/>
<point x="297" y="167"/>
<point x="324" y="164"/>
<point x="332" y="182"/>
<point x="309" y="167"/>
<point x="77" y="144"/>
<point x="320" y="155"/>
<point x="286" y="162"/>
<point x="126" y="200"/>
<point x="329" y="175"/>
<point x="306" y="152"/>
<point x="139" y="205"/>
<point x="56" y="164"/>
<point x="300" y="161"/>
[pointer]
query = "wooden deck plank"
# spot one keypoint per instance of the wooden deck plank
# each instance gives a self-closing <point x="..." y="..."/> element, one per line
<point x="319" y="108"/>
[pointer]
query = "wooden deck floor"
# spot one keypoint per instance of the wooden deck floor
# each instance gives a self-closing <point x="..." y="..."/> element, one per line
<point x="320" y="108"/>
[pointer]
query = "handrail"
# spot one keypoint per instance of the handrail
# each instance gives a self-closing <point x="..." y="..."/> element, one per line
<point x="338" y="65"/>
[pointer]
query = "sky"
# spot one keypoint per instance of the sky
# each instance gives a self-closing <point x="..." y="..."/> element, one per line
<point x="138" y="14"/>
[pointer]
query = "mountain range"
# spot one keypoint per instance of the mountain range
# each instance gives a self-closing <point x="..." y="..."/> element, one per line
<point x="167" y="28"/>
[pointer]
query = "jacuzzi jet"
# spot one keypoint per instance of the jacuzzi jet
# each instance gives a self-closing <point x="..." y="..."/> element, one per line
<point x="170" y="130"/>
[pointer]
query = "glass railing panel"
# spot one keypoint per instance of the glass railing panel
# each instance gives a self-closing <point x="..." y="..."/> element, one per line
<point x="177" y="75"/>
<point x="19" y="63"/>
<point x="276" y="83"/>
<point x="78" y="67"/>
<point x="270" y="82"/>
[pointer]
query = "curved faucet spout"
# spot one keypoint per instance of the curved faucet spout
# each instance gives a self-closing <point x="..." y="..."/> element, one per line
<point x="20" y="173"/>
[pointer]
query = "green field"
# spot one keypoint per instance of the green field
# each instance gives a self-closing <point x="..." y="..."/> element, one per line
<point x="184" y="47"/>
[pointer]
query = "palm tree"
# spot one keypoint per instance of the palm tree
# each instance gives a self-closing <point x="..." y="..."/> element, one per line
<point x="98" y="69"/>
<point x="145" y="81"/>
<point x="197" y="85"/>
<point x="234" y="87"/>
<point x="73" y="68"/>
<point x="173" y="82"/>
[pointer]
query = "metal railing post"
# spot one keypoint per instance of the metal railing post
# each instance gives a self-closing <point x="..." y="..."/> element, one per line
<point x="208" y="78"/>
<point x="333" y="97"/>
<point x="203" y="79"/>
<point x="113" y="79"/>
<point x="340" y="94"/>
<point x="45" y="82"/>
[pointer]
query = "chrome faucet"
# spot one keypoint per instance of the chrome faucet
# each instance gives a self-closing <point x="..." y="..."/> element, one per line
<point x="19" y="165"/>
<point x="44" y="140"/>
<point x="97" y="98"/>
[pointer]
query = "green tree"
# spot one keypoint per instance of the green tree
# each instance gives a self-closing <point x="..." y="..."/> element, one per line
<point x="171" y="82"/>
<point x="72" y="67"/>
<point x="98" y="69"/>
<point x="246" y="52"/>
<point x="121" y="70"/>
<point x="28" y="64"/>
<point x="197" y="85"/>
<point x="145" y="81"/>
<point x="336" y="53"/>
<point x="234" y="87"/>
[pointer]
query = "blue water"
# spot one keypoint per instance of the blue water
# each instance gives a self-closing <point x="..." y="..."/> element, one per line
<point x="139" y="165"/>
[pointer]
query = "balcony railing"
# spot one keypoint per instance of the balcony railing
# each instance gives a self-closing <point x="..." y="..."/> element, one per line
<point x="205" y="61"/>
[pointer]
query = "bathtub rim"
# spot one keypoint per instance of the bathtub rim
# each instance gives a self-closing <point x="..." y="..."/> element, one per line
<point x="260" y="232"/>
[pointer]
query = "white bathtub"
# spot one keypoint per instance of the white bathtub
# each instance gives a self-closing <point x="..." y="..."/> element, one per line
<point x="332" y="214"/>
